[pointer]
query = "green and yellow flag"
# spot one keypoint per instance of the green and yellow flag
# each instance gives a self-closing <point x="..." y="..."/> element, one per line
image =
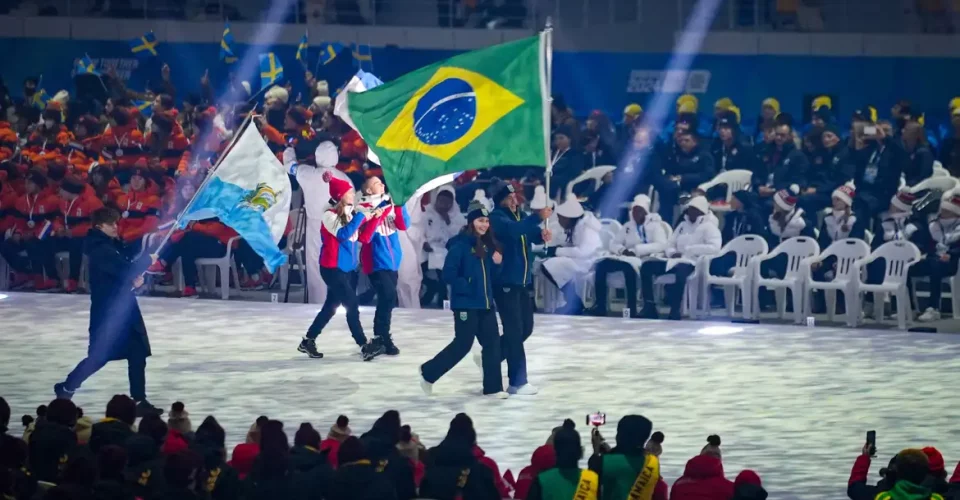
<point x="477" y="110"/>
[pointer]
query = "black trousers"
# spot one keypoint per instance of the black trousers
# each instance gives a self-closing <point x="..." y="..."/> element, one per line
<point x="11" y="253"/>
<point x="654" y="268"/>
<point x="607" y="266"/>
<point x="433" y="289"/>
<point x="936" y="270"/>
<point x="341" y="289"/>
<point x="136" y="372"/>
<point x="191" y="247"/>
<point x="515" y="306"/>
<point x="45" y="251"/>
<point x="385" y="283"/>
<point x="467" y="325"/>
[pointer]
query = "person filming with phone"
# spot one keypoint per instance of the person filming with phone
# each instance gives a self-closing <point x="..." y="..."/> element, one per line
<point x="627" y="470"/>
<point x="877" y="177"/>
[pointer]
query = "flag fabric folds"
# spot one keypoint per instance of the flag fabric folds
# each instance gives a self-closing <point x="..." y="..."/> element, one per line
<point x="270" y="69"/>
<point x="250" y="192"/>
<point x="476" y="110"/>
<point x="144" y="46"/>
<point x="361" y="82"/>
<point x="302" y="50"/>
<point x="85" y="66"/>
<point x="227" y="54"/>
<point x="329" y="51"/>
<point x="145" y="108"/>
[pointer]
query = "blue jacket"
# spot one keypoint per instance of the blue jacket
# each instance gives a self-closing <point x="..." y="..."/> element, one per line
<point x="470" y="278"/>
<point x="516" y="233"/>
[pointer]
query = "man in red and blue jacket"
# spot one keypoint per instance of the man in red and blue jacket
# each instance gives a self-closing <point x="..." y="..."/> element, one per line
<point x="381" y="254"/>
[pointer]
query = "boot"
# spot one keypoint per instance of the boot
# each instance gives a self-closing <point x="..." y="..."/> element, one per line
<point x="389" y="348"/>
<point x="371" y="350"/>
<point x="309" y="346"/>
<point x="144" y="408"/>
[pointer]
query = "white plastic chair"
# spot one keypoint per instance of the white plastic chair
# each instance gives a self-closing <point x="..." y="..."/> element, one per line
<point x="610" y="228"/>
<point x="847" y="251"/>
<point x="62" y="260"/>
<point x="938" y="170"/>
<point x="617" y="281"/>
<point x="595" y="174"/>
<point x="944" y="184"/>
<point x="899" y="255"/>
<point x="953" y="294"/>
<point x="690" y="306"/>
<point x="735" y="180"/>
<point x="209" y="268"/>
<point x="796" y="249"/>
<point x="745" y="248"/>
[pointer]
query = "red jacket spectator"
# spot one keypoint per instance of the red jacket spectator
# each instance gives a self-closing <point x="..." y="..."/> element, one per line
<point x="30" y="212"/>
<point x="702" y="479"/>
<point x="122" y="142"/>
<point x="353" y="152"/>
<point x="502" y="485"/>
<point x="139" y="211"/>
<point x="75" y="214"/>
<point x="543" y="458"/>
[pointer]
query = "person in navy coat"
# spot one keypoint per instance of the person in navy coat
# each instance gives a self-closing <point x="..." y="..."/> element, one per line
<point x="117" y="330"/>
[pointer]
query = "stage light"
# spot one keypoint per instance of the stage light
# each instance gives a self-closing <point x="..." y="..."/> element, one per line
<point x="3" y="296"/>
<point x="719" y="330"/>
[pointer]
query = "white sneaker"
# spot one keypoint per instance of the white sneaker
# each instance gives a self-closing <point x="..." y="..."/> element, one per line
<point x="523" y="390"/>
<point x="427" y="387"/>
<point x="478" y="358"/>
<point x="930" y="314"/>
<point x="498" y="395"/>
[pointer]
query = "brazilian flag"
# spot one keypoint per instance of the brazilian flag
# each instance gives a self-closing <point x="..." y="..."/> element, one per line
<point x="476" y="110"/>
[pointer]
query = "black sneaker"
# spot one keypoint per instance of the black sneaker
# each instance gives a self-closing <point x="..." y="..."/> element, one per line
<point x="371" y="350"/>
<point x="389" y="348"/>
<point x="649" y="311"/>
<point x="309" y="346"/>
<point x="144" y="408"/>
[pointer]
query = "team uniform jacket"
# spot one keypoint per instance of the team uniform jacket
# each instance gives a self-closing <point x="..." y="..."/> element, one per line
<point x="139" y="214"/>
<point x="381" y="244"/>
<point x="75" y="215"/>
<point x="31" y="212"/>
<point x="340" y="241"/>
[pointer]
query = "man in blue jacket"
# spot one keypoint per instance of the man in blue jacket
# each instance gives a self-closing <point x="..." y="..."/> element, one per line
<point x="513" y="292"/>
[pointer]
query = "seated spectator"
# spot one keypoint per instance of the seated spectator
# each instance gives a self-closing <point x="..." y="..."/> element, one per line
<point x="878" y="170"/>
<point x="183" y="476"/>
<point x="918" y="164"/>
<point x="339" y="432"/>
<point x="110" y="484"/>
<point x="743" y="219"/>
<point x="703" y="478"/>
<point x="731" y="149"/>
<point x="696" y="235"/>
<point x="683" y="171"/>
<point x="179" y="419"/>
<point x="30" y="220"/>
<point x="567" y="162"/>
<point x="567" y="479"/>
<point x="52" y="439"/>
<point x="357" y="478"/>
<point x="15" y="480"/>
<point x="570" y="261"/>
<point x="222" y="481"/>
<point x="139" y="211"/>
<point x="839" y="224"/>
<point x="913" y="467"/>
<point x="950" y="147"/>
<point x="784" y="164"/>
<point x="453" y="469"/>
<point x="936" y="479"/>
<point x="834" y="168"/>
<point x="411" y="448"/>
<point x="271" y="476"/>
<point x="942" y="257"/>
<point x="640" y="237"/>
<point x="117" y="426"/>
<point x="312" y="472"/>
<point x="543" y="458"/>
<point x="380" y="444"/>
<point x="787" y="220"/>
<point x="627" y="470"/>
<point x="244" y="454"/>
<point x="441" y="222"/>
<point x="747" y="486"/>
<point x="77" y="203"/>
<point x="144" y="468"/>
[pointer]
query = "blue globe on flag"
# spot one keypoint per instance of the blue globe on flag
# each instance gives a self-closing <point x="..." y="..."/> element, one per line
<point x="446" y="112"/>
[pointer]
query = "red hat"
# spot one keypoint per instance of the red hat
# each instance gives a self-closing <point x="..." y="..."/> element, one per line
<point x="338" y="188"/>
<point x="903" y="200"/>
<point x="935" y="459"/>
<point x="174" y="443"/>
<point x="243" y="456"/>
<point x="787" y="199"/>
<point x="747" y="476"/>
<point x="951" y="203"/>
<point x="845" y="193"/>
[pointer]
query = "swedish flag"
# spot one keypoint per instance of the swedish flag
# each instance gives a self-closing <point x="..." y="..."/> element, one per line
<point x="144" y="46"/>
<point x="227" y="54"/>
<point x="363" y="57"/>
<point x="329" y="51"/>
<point x="85" y="66"/>
<point x="145" y="108"/>
<point x="302" y="50"/>
<point x="40" y="99"/>
<point x="477" y="110"/>
<point x="270" y="69"/>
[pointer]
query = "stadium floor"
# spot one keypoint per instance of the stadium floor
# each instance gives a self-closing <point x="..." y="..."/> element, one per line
<point x="791" y="402"/>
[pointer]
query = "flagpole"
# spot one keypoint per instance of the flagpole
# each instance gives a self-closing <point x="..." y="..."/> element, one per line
<point x="183" y="212"/>
<point x="546" y="63"/>
<point x="99" y="76"/>
<point x="264" y="89"/>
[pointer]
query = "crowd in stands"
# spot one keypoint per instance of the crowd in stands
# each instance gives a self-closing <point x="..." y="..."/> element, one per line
<point x="65" y="454"/>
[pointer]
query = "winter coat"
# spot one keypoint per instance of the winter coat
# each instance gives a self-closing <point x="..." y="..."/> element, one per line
<point x="702" y="479"/>
<point x="447" y="464"/>
<point x="878" y="169"/>
<point x="470" y="277"/>
<point x="581" y="247"/>
<point x="117" y="330"/>
<point x="794" y="224"/>
<point x="900" y="226"/>
<point x="621" y="472"/>
<point x="695" y="239"/>
<point x="644" y="239"/>
<point x="738" y="156"/>
<point x="144" y="472"/>
<point x="31" y="213"/>
<point x="74" y="216"/>
<point x="436" y="233"/>
<point x="516" y="232"/>
<point x="360" y="481"/>
<point x="917" y="165"/>
<point x="340" y="246"/>
<point x="222" y="481"/>
<point x="945" y="234"/>
<point x="905" y="490"/>
<point x="837" y="168"/>
<point x="836" y="228"/>
<point x="383" y="453"/>
<point x="380" y="238"/>
<point x="747" y="221"/>
<point x="140" y="212"/>
<point x="50" y="446"/>
<point x="694" y="168"/>
<point x="312" y="473"/>
<point x="498" y="480"/>
<point x="543" y="458"/>
<point x="950" y="155"/>
<point x="109" y="432"/>
<point x="782" y="168"/>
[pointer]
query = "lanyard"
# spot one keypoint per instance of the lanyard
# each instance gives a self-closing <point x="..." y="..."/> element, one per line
<point x="875" y="156"/>
<point x="66" y="215"/>
<point x="557" y="155"/>
<point x="643" y="233"/>
<point x="31" y="205"/>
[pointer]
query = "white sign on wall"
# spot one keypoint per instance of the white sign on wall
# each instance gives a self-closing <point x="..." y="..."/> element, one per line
<point x="671" y="81"/>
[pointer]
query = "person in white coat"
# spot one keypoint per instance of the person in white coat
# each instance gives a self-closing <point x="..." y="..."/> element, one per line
<point x="409" y="276"/>
<point x="568" y="264"/>
<point x="642" y="236"/>
<point x="941" y="261"/>
<point x="787" y="220"/>
<point x="441" y="221"/>
<point x="314" y="180"/>
<point x="697" y="235"/>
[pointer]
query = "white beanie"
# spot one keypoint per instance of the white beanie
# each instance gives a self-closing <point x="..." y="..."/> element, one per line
<point x="322" y="102"/>
<point x="571" y="209"/>
<point x="951" y="203"/>
<point x="277" y="92"/>
<point x="845" y="193"/>
<point x="539" y="200"/>
<point x="323" y="88"/>
<point x="643" y="201"/>
<point x="700" y="203"/>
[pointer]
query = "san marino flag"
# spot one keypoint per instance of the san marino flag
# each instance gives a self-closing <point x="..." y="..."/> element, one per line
<point x="250" y="192"/>
<point x="480" y="109"/>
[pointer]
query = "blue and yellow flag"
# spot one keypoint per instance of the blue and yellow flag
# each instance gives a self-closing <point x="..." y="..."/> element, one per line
<point x="144" y="46"/>
<point x="270" y="69"/>
<point x="227" y="54"/>
<point x="40" y="99"/>
<point x="302" y="50"/>
<point x="476" y="110"/>
<point x="362" y="57"/>
<point x="85" y="66"/>
<point x="145" y="108"/>
<point x="329" y="51"/>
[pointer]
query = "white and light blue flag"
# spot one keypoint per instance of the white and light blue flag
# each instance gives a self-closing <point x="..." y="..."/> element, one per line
<point x="250" y="192"/>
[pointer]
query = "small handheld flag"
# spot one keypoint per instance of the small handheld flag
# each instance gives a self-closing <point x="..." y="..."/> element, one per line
<point x="85" y="66"/>
<point x="302" y="50"/>
<point x="227" y="54"/>
<point x="270" y="69"/>
<point x="144" y="46"/>
<point x="363" y="57"/>
<point x="145" y="108"/>
<point x="329" y="51"/>
<point x="40" y="99"/>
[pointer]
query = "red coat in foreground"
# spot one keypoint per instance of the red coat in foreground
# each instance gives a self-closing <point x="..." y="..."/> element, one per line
<point x="702" y="479"/>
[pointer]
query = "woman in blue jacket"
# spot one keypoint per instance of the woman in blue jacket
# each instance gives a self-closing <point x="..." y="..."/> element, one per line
<point x="473" y="257"/>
